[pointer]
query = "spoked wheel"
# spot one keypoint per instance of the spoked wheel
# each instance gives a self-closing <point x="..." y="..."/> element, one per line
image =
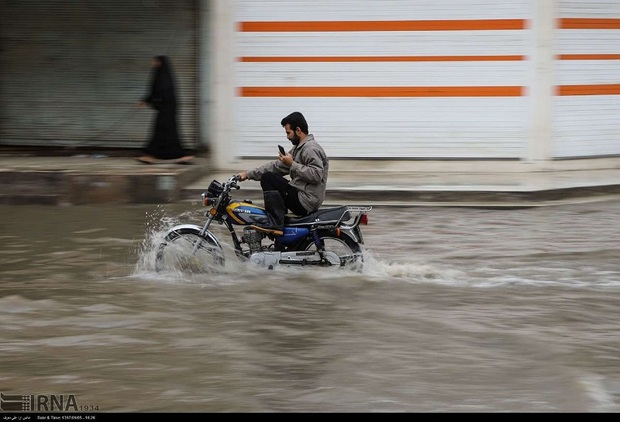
<point x="348" y="251"/>
<point x="186" y="251"/>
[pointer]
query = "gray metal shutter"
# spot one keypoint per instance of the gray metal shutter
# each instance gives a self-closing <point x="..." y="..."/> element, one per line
<point x="71" y="71"/>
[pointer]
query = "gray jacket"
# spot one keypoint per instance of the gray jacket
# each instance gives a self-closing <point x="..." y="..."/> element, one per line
<point x="308" y="172"/>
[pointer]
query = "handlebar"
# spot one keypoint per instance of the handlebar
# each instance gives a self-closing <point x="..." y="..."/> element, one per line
<point x="233" y="181"/>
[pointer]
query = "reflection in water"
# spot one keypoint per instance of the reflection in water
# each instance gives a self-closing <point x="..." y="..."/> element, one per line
<point x="466" y="310"/>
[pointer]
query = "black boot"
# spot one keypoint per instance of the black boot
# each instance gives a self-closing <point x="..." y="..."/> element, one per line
<point x="274" y="205"/>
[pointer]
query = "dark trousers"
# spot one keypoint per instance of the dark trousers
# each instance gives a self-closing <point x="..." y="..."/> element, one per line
<point x="290" y="195"/>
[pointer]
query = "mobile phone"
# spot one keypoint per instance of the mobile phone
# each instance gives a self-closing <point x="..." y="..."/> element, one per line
<point x="282" y="151"/>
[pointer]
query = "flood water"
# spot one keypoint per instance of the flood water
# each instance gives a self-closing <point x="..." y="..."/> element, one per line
<point x="456" y="310"/>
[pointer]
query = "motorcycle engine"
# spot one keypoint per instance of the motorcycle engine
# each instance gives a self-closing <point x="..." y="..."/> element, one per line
<point x="253" y="238"/>
<point x="265" y="259"/>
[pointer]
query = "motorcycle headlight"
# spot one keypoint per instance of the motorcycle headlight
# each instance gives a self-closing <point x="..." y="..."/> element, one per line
<point x="215" y="189"/>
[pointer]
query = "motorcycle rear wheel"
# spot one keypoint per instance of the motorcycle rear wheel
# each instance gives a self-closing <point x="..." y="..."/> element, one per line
<point x="185" y="251"/>
<point x="349" y="252"/>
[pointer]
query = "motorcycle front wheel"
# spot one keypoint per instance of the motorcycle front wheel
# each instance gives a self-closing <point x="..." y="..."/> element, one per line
<point x="348" y="251"/>
<point x="185" y="251"/>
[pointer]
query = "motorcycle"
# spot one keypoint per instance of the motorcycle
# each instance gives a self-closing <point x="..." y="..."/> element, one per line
<point x="328" y="237"/>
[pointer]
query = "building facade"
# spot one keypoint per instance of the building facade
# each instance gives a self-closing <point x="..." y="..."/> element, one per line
<point x="398" y="85"/>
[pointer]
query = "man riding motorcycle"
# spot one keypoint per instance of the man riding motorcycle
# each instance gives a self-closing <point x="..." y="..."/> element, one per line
<point x="306" y="164"/>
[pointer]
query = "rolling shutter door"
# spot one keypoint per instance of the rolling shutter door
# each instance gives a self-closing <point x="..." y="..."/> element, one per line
<point x="587" y="104"/>
<point x="71" y="72"/>
<point x="398" y="79"/>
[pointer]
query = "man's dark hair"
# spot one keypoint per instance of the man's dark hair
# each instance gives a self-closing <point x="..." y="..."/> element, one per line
<point x="296" y="120"/>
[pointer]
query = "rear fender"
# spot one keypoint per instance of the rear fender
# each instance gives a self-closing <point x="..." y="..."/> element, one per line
<point x="353" y="232"/>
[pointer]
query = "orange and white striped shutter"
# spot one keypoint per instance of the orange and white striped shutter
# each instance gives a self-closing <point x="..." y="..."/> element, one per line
<point x="386" y="79"/>
<point x="586" y="109"/>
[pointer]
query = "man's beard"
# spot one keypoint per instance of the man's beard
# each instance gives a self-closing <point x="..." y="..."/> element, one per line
<point x="295" y="140"/>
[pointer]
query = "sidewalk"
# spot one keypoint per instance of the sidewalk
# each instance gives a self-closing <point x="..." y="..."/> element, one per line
<point x="99" y="179"/>
<point x="92" y="179"/>
<point x="453" y="189"/>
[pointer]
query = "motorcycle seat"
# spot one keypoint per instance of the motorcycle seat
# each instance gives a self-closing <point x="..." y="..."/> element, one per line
<point x="325" y="215"/>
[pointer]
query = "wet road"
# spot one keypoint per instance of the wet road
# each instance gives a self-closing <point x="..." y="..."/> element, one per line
<point x="457" y="310"/>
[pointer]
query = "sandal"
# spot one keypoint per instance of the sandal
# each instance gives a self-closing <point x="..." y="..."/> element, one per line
<point x="146" y="159"/>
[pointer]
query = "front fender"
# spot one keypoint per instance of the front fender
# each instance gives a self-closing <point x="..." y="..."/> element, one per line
<point x="194" y="229"/>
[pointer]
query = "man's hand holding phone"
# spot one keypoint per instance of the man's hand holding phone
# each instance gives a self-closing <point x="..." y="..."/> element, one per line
<point x="284" y="156"/>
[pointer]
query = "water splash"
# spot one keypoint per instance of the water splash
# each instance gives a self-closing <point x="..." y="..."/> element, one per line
<point x="157" y="223"/>
<point x="382" y="269"/>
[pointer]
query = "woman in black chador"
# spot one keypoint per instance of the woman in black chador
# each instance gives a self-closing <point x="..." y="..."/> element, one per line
<point x="165" y="143"/>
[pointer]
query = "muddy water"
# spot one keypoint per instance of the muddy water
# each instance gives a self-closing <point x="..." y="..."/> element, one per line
<point x="457" y="310"/>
